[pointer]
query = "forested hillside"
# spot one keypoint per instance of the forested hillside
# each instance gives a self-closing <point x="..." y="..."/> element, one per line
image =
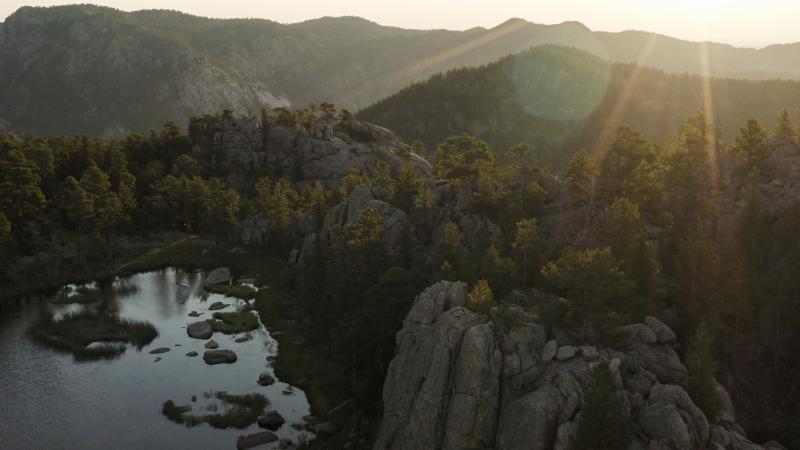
<point x="558" y="99"/>
<point x="699" y="234"/>
<point x="95" y="70"/>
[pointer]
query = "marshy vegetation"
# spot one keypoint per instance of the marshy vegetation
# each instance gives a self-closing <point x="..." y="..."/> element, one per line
<point x="79" y="295"/>
<point x="234" y="322"/>
<point x="240" y="411"/>
<point x="241" y="291"/>
<point x="77" y="333"/>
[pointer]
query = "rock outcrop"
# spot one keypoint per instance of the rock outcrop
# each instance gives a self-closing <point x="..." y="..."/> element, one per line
<point x="323" y="151"/>
<point x="349" y="211"/>
<point x="461" y="381"/>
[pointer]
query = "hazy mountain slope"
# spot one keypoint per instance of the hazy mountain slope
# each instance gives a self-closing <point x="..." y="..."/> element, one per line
<point x="91" y="69"/>
<point x="560" y="99"/>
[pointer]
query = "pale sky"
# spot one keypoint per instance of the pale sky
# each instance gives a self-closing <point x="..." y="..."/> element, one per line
<point x="750" y="23"/>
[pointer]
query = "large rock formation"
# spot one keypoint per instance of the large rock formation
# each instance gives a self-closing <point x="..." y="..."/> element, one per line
<point x="349" y="211"/>
<point x="461" y="381"/>
<point x="323" y="150"/>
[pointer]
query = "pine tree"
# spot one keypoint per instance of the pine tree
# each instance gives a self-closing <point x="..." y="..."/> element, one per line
<point x="701" y="363"/>
<point x="600" y="295"/>
<point x="76" y="204"/>
<point x="220" y="206"/>
<point x="526" y="240"/>
<point x="480" y="298"/>
<point x="751" y="147"/>
<point x="784" y="127"/>
<point x="603" y="424"/>
<point x="580" y="177"/>
<point x="6" y="240"/>
<point x="628" y="150"/>
<point x="21" y="198"/>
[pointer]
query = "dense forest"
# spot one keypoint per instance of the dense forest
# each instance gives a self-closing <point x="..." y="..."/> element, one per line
<point x="696" y="232"/>
<point x="558" y="99"/>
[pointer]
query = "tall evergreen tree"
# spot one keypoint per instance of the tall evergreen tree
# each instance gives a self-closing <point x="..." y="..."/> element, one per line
<point x="752" y="148"/>
<point x="604" y="424"/>
<point x="701" y="363"/>
<point x="580" y="177"/>
<point x="784" y="127"/>
<point x="21" y="198"/>
<point x="526" y="241"/>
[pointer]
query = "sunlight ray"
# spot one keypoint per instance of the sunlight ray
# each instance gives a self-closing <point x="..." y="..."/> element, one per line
<point x="609" y="128"/>
<point x="708" y="109"/>
<point x="413" y="72"/>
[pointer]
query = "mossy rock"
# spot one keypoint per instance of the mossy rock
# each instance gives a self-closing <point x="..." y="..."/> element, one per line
<point x="234" y="322"/>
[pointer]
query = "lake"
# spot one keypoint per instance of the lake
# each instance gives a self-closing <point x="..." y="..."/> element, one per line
<point x="51" y="401"/>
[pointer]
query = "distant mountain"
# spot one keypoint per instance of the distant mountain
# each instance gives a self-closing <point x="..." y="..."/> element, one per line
<point x="560" y="99"/>
<point x="96" y="70"/>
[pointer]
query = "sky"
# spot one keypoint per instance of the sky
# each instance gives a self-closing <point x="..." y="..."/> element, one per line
<point x="747" y="23"/>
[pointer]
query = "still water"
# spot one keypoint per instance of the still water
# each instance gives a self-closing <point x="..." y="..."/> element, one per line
<point x="49" y="401"/>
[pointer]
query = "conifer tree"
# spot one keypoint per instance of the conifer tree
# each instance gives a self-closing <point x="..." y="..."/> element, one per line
<point x="480" y="298"/>
<point x="701" y="363"/>
<point x="784" y="126"/>
<point x="603" y="424"/>
<point x="580" y="177"/>
<point x="21" y="198"/>
<point x="751" y="147"/>
<point x="526" y="240"/>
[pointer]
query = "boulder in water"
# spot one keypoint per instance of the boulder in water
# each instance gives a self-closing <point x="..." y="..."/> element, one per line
<point x="159" y="350"/>
<point x="265" y="379"/>
<point x="255" y="439"/>
<point x="191" y="354"/>
<point x="217" y="306"/>
<point x="271" y="420"/>
<point x="200" y="330"/>
<point x="218" y="276"/>
<point x="219" y="357"/>
<point x="211" y="345"/>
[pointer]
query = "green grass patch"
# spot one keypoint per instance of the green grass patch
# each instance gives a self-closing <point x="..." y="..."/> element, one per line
<point x="234" y="322"/>
<point x="82" y="295"/>
<point x="241" y="411"/>
<point x="197" y="253"/>
<point x="234" y="290"/>
<point x="75" y="332"/>
<point x="191" y="252"/>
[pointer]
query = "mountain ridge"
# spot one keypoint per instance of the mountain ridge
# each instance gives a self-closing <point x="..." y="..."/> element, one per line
<point x="497" y="104"/>
<point x="159" y="65"/>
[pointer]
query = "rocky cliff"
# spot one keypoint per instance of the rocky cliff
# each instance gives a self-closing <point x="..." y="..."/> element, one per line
<point x="460" y="380"/>
<point x="323" y="151"/>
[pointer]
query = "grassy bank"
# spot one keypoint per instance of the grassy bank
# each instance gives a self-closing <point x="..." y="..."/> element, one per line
<point x="55" y="276"/>
<point x="188" y="253"/>
<point x="298" y="363"/>
<point x="198" y="253"/>
<point x="233" y="290"/>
